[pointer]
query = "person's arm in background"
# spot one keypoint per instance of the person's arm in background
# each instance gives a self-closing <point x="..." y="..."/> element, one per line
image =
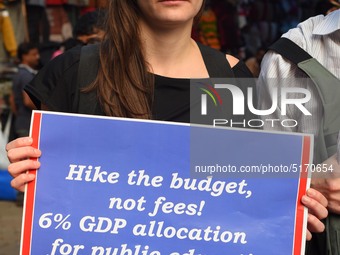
<point x="276" y="75"/>
<point x="273" y="65"/>
<point x="26" y="78"/>
<point x="12" y="103"/>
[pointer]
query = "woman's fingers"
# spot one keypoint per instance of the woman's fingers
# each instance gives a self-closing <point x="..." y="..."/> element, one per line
<point x="317" y="210"/>
<point x="308" y="235"/>
<point x="20" y="167"/>
<point x="20" y="149"/>
<point x="19" y="182"/>
<point x="19" y="142"/>
<point x="22" y="153"/>
<point x="316" y="203"/>
<point x="314" y="224"/>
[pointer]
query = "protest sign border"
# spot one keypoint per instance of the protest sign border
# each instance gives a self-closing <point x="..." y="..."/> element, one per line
<point x="28" y="212"/>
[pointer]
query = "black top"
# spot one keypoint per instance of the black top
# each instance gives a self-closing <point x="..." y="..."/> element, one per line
<point x="56" y="84"/>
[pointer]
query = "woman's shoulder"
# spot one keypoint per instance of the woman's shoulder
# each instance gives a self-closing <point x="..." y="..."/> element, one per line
<point x="232" y="60"/>
<point x="62" y="67"/>
<point x="65" y="60"/>
<point x="56" y="81"/>
<point x="239" y="68"/>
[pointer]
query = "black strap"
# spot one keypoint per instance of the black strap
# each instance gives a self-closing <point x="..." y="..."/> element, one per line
<point x="216" y="62"/>
<point x="87" y="72"/>
<point x="290" y="50"/>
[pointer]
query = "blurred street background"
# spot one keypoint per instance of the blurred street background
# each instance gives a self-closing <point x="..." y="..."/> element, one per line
<point x="10" y="227"/>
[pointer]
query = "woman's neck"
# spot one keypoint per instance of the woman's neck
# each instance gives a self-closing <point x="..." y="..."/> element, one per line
<point x="171" y="52"/>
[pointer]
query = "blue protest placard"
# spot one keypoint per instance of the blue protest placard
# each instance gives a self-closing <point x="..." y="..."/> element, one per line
<point x="111" y="186"/>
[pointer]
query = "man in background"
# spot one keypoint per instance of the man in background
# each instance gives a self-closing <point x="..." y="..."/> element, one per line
<point x="88" y="30"/>
<point x="89" y="27"/>
<point x="28" y="55"/>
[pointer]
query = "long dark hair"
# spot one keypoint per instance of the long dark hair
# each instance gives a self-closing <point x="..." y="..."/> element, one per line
<point x="124" y="84"/>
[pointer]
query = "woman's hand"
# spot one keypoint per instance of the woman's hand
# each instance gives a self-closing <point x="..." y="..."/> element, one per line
<point x="317" y="210"/>
<point x="328" y="183"/>
<point x="19" y="153"/>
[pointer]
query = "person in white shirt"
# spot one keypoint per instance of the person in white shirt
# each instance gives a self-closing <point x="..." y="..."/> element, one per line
<point x="320" y="37"/>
